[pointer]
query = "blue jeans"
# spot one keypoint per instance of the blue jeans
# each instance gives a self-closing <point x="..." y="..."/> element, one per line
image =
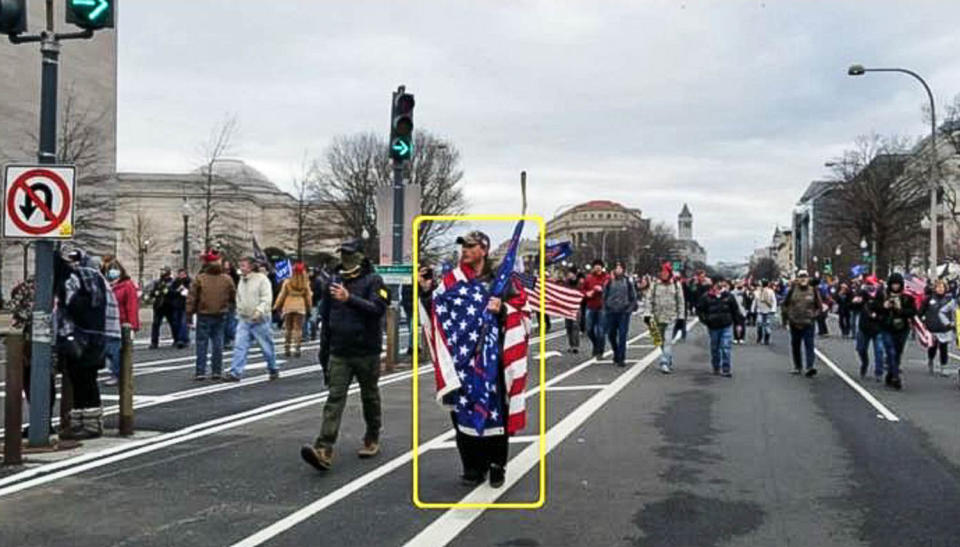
<point x="618" y="325"/>
<point x="595" y="330"/>
<point x="893" y="343"/>
<point x="805" y="336"/>
<point x="863" y="348"/>
<point x="720" y="342"/>
<point x="182" y="334"/>
<point x="113" y="356"/>
<point x="229" y="327"/>
<point x="210" y="328"/>
<point x="246" y="332"/>
<point x="666" y="350"/>
<point x="763" y="327"/>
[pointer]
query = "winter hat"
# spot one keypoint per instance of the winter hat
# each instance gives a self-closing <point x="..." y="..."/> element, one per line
<point x="299" y="268"/>
<point x="871" y="280"/>
<point x="895" y="279"/>
<point x="666" y="268"/>
<point x="210" y="256"/>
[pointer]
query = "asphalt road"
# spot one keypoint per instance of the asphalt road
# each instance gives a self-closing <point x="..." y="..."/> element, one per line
<point x="634" y="457"/>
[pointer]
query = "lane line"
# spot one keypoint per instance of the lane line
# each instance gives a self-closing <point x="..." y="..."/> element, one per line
<point x="129" y="450"/>
<point x="883" y="410"/>
<point x="449" y="525"/>
<point x="163" y="441"/>
<point x="578" y="388"/>
<point x="524" y="439"/>
<point x="359" y="483"/>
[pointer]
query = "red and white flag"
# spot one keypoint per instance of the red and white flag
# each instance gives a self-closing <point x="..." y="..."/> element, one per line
<point x="560" y="301"/>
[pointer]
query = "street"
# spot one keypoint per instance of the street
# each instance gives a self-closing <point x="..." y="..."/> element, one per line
<point x="634" y="458"/>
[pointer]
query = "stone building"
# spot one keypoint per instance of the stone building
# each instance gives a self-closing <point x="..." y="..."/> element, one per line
<point x="688" y="248"/>
<point x="597" y="229"/>
<point x="140" y="217"/>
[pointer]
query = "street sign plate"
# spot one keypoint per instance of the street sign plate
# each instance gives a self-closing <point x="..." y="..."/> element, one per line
<point x="400" y="274"/>
<point x="38" y="201"/>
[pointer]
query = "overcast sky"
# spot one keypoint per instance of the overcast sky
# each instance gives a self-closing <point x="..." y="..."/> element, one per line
<point x="730" y="106"/>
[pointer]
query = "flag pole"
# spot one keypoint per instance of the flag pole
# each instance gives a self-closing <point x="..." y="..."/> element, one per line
<point x="523" y="190"/>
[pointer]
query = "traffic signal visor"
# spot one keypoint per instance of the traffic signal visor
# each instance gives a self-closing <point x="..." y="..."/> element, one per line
<point x="13" y="17"/>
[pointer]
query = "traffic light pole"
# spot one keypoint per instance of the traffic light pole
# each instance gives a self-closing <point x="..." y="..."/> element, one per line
<point x="41" y="358"/>
<point x="394" y="325"/>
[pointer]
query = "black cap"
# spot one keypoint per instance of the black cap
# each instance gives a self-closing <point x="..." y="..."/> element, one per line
<point x="351" y="246"/>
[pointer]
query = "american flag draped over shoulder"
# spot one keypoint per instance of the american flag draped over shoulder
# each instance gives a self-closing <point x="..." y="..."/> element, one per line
<point x="464" y="343"/>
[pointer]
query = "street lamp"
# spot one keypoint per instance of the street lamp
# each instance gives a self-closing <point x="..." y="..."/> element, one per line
<point x="186" y="233"/>
<point x="859" y="70"/>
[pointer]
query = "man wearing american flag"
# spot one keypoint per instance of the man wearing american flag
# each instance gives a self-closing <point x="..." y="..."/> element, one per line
<point x="477" y="322"/>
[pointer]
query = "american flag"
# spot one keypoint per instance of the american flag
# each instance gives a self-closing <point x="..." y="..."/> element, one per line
<point x="464" y="343"/>
<point x="560" y="301"/>
<point x="924" y="337"/>
<point x="915" y="287"/>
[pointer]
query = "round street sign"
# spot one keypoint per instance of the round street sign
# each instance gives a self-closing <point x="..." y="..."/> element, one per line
<point x="38" y="201"/>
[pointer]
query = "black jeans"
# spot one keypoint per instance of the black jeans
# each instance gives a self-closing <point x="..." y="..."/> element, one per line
<point x="478" y="453"/>
<point x="573" y="332"/>
<point x="844" y="316"/>
<point x="86" y="391"/>
<point x="802" y="335"/>
<point x="942" y="348"/>
<point x="822" y="324"/>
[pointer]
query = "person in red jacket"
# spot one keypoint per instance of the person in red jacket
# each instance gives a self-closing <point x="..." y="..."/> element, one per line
<point x="128" y="305"/>
<point x="592" y="286"/>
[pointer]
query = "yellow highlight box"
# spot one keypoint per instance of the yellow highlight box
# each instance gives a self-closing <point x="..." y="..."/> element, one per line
<point x="416" y="359"/>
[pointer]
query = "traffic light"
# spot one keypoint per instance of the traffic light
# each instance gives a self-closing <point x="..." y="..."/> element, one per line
<point x="91" y="14"/>
<point x="13" y="17"/>
<point x="401" y="128"/>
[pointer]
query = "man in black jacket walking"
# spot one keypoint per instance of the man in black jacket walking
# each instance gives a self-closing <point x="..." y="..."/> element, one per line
<point x="350" y="344"/>
<point x="718" y="310"/>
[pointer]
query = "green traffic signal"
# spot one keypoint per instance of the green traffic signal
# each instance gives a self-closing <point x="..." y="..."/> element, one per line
<point x="401" y="127"/>
<point x="13" y="17"/>
<point x="91" y="14"/>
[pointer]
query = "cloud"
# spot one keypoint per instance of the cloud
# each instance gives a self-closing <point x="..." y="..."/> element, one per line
<point x="730" y="106"/>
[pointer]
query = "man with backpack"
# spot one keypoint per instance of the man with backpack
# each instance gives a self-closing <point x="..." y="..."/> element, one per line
<point x="667" y="306"/>
<point x="619" y="301"/>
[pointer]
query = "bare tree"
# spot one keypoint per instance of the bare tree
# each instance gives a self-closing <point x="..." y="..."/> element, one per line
<point x="347" y="178"/>
<point x="436" y="168"/>
<point x="353" y="167"/>
<point x="80" y="137"/>
<point x="214" y="149"/>
<point x="307" y="209"/>
<point x="141" y="238"/>
<point x="874" y="198"/>
<point x="765" y="268"/>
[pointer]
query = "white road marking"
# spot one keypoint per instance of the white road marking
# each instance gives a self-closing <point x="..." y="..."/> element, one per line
<point x="94" y="460"/>
<point x="884" y="411"/>
<point x="359" y="483"/>
<point x="548" y="355"/>
<point x="135" y="448"/>
<point x="449" y="525"/>
<point x="523" y="439"/>
<point x="578" y="388"/>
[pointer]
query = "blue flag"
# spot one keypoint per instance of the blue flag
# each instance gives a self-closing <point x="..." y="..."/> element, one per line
<point x="282" y="269"/>
<point x="558" y="252"/>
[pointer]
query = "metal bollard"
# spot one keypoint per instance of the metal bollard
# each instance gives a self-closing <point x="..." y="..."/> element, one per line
<point x="13" y="402"/>
<point x="126" y="383"/>
<point x="393" y="338"/>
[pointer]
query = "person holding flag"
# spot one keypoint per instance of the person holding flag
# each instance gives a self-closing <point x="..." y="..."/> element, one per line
<point x="476" y="321"/>
<point x="938" y="312"/>
<point x="666" y="307"/>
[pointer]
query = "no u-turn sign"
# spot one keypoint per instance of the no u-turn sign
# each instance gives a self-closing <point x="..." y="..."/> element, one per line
<point x="38" y="201"/>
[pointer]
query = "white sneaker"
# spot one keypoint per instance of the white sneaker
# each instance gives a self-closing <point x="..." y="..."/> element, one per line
<point x="664" y="368"/>
<point x="111" y="381"/>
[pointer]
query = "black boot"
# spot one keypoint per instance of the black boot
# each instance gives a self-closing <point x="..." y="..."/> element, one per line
<point x="497" y="475"/>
